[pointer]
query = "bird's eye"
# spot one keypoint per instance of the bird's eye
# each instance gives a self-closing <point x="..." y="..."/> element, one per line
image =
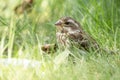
<point x="67" y="23"/>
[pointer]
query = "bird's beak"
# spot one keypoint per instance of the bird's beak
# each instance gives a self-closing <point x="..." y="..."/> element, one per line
<point x="58" y="23"/>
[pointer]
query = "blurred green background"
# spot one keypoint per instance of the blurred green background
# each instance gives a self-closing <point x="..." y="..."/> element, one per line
<point x="21" y="36"/>
<point x="98" y="18"/>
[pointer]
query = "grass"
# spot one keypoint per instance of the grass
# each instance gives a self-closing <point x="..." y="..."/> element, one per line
<point x="21" y="37"/>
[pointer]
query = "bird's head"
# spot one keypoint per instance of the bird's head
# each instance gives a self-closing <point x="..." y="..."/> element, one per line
<point x="67" y="23"/>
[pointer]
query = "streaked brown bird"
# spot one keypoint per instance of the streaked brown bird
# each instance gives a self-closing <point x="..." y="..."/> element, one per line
<point x="25" y="6"/>
<point x="70" y="33"/>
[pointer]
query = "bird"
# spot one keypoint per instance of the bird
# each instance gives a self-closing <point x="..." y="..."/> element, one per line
<point x="69" y="32"/>
<point x="25" y="6"/>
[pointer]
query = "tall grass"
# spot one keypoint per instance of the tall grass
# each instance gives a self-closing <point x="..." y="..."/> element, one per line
<point x="21" y="37"/>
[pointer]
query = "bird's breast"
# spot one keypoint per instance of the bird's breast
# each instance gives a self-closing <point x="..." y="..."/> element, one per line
<point x="62" y="39"/>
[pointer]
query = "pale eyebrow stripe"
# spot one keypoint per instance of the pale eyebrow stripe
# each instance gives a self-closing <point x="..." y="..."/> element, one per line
<point x="72" y="21"/>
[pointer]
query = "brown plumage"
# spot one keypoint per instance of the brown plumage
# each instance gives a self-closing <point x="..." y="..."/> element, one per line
<point x="70" y="33"/>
